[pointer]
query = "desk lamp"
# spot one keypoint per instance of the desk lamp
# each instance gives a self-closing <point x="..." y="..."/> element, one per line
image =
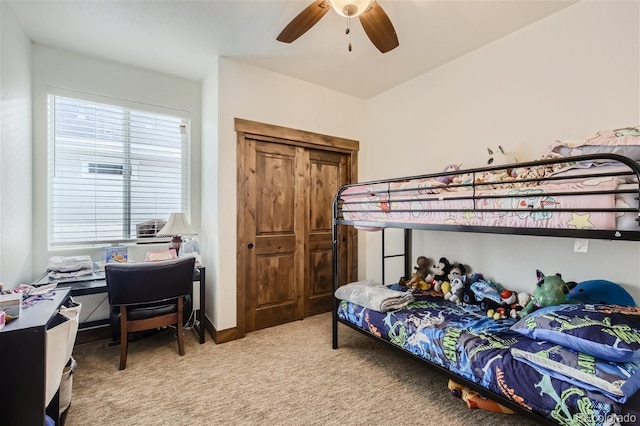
<point x="177" y="226"/>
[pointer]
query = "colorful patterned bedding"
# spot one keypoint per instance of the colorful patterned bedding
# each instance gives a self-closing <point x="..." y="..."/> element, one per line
<point x="466" y="342"/>
<point x="552" y="205"/>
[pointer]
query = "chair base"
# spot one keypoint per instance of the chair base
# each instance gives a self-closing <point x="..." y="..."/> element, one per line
<point x="128" y="327"/>
<point x="138" y="335"/>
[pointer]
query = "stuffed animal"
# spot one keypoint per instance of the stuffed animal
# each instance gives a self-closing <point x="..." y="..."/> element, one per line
<point x="508" y="297"/>
<point x="445" y="287"/>
<point x="468" y="295"/>
<point x="417" y="283"/>
<point x="456" y="270"/>
<point x="463" y="179"/>
<point x="422" y="278"/>
<point x="509" y="300"/>
<point x="601" y="292"/>
<point x="522" y="299"/>
<point x="457" y="287"/>
<point x="449" y="178"/>
<point x="475" y="400"/>
<point x="499" y="157"/>
<point x="550" y="290"/>
<point x="487" y="294"/>
<point x="498" y="313"/>
<point x="441" y="269"/>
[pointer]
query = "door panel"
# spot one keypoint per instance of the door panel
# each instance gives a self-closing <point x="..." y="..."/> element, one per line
<point x="275" y="184"/>
<point x="320" y="279"/>
<point x="276" y="292"/>
<point x="328" y="171"/>
<point x="273" y="282"/>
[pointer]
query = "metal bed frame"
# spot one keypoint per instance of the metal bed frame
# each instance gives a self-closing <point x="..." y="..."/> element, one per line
<point x="339" y="220"/>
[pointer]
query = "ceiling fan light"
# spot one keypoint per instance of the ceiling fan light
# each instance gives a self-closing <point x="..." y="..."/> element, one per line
<point x="350" y="8"/>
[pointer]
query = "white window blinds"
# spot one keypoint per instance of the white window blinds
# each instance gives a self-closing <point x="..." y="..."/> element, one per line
<point x="113" y="165"/>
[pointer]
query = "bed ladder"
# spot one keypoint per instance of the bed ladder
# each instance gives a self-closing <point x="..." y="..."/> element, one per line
<point x="406" y="254"/>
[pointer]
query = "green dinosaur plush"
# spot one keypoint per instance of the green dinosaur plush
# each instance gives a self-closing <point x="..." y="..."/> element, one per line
<point x="550" y="291"/>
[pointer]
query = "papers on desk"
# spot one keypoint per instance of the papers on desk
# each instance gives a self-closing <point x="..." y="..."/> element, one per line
<point x="160" y="255"/>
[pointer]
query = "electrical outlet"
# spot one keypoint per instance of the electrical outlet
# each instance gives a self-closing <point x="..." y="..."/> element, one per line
<point x="581" y="245"/>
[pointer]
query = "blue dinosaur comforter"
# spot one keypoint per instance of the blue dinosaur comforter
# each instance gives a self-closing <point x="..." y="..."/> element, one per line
<point x="465" y="341"/>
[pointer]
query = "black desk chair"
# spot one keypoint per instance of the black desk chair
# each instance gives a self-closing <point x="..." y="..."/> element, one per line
<point x="147" y="296"/>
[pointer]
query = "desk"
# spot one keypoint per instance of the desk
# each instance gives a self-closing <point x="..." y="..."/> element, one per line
<point x="23" y="358"/>
<point x="97" y="284"/>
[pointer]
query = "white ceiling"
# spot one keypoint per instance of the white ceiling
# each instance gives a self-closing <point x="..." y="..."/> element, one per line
<point x="182" y="37"/>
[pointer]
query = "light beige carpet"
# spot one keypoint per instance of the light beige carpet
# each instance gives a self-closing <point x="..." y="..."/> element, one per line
<point x="284" y="375"/>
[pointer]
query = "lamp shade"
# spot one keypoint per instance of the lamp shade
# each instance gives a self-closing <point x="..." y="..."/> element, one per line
<point x="177" y="225"/>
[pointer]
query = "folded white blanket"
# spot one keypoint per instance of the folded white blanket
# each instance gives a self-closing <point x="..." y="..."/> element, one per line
<point x="65" y="275"/>
<point x="373" y="295"/>
<point x="69" y="263"/>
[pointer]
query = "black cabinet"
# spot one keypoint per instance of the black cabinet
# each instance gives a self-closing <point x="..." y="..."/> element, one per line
<point x="23" y="362"/>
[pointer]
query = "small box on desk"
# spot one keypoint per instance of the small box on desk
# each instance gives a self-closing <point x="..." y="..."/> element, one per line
<point x="10" y="305"/>
<point x="115" y="254"/>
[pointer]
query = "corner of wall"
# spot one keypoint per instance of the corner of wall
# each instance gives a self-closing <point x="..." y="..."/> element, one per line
<point x="16" y="166"/>
<point x="209" y="188"/>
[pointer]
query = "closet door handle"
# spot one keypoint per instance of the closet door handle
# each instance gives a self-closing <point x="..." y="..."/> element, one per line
<point x="250" y="246"/>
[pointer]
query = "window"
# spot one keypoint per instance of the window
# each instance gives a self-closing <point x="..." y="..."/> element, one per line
<point x="113" y="164"/>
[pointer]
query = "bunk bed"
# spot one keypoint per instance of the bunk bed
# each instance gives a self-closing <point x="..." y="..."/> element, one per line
<point x="591" y="195"/>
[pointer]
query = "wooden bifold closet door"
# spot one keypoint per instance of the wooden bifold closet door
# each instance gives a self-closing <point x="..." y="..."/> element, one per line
<point x="285" y="194"/>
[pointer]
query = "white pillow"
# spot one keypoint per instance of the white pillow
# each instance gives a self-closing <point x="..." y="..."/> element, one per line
<point x="624" y="141"/>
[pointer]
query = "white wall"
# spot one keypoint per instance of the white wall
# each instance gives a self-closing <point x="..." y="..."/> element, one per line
<point x="59" y="68"/>
<point x="564" y="77"/>
<point x="15" y="151"/>
<point x="209" y="198"/>
<point x="255" y="94"/>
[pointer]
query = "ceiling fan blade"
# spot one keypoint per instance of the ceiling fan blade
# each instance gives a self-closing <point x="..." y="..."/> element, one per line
<point x="305" y="20"/>
<point x="379" y="28"/>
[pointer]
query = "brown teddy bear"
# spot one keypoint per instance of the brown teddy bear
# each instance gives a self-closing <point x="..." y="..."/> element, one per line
<point x="422" y="278"/>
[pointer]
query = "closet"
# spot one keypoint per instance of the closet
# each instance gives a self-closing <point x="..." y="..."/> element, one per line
<point x="287" y="179"/>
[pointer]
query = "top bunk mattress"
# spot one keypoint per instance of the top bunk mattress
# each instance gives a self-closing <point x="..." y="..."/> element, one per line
<point x="571" y="196"/>
<point x="584" y="205"/>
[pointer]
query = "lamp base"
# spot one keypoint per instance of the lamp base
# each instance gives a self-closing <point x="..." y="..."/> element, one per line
<point x="175" y="243"/>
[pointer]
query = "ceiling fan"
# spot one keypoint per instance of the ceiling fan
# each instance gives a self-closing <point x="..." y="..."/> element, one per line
<point x="373" y="18"/>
